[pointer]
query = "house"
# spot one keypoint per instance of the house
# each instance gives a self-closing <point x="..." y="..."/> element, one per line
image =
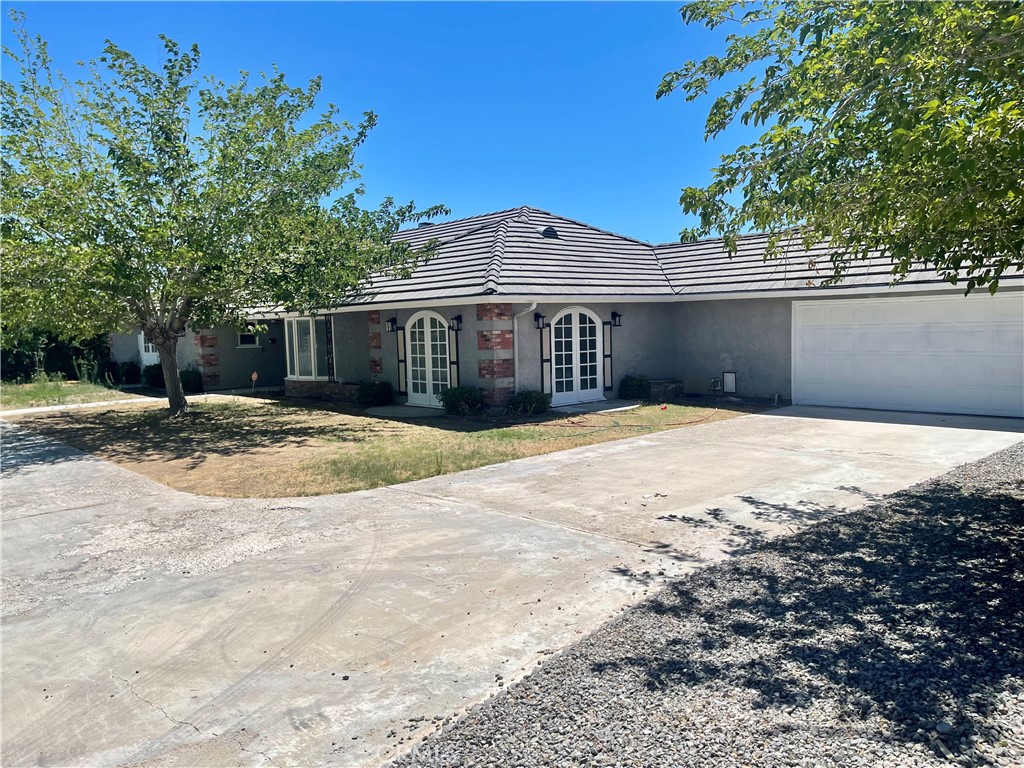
<point x="524" y="299"/>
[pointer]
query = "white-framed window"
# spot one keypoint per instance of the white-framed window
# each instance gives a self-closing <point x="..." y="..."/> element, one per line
<point x="248" y="337"/>
<point x="148" y="348"/>
<point x="306" y="347"/>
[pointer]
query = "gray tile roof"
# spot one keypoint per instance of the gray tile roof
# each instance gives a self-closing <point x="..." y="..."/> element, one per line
<point x="506" y="254"/>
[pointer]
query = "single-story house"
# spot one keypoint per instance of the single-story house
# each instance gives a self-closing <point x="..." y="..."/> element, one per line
<point x="524" y="299"/>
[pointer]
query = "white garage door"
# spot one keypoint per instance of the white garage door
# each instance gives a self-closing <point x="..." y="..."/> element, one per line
<point x="950" y="354"/>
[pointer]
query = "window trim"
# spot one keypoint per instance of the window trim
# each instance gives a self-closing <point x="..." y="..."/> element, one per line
<point x="291" y="354"/>
<point x="255" y="338"/>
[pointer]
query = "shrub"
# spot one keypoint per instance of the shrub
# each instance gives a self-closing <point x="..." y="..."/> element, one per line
<point x="635" y="388"/>
<point x="373" y="393"/>
<point x="191" y="380"/>
<point x="461" y="400"/>
<point x="529" y="401"/>
<point x="131" y="374"/>
<point x="153" y="375"/>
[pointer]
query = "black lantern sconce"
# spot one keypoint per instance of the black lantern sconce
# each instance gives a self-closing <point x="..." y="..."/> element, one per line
<point x="391" y="324"/>
<point x="538" y="320"/>
<point x="616" y="319"/>
<point x="455" y="324"/>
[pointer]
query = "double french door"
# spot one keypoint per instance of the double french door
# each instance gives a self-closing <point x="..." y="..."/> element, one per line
<point x="428" y="360"/>
<point x="576" y="358"/>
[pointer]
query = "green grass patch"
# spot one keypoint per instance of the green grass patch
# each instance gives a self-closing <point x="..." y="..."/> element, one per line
<point x="43" y="391"/>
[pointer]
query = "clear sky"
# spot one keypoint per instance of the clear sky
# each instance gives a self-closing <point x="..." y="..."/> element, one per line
<point x="481" y="106"/>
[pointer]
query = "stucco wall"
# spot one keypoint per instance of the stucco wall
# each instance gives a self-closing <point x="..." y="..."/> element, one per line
<point x="749" y="336"/>
<point x="352" y="347"/>
<point x="124" y="347"/>
<point x="643" y="345"/>
<point x="468" y="353"/>
<point x="236" y="364"/>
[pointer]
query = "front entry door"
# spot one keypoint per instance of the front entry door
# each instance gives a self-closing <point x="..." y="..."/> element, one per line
<point x="576" y="374"/>
<point x="428" y="360"/>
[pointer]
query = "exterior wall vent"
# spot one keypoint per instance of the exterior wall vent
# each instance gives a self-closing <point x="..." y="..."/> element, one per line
<point x="549" y="232"/>
<point x="424" y="224"/>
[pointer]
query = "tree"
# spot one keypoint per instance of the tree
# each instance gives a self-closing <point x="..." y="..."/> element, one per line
<point x="140" y="197"/>
<point x="889" y="126"/>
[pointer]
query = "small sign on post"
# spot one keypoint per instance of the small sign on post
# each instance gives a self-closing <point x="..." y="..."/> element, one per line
<point x="253" y="376"/>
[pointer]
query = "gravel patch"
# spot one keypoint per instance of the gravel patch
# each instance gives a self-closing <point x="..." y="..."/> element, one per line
<point x="891" y="636"/>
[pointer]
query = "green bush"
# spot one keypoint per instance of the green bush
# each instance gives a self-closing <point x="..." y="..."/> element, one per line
<point x="461" y="400"/>
<point x="373" y="393"/>
<point x="191" y="380"/>
<point x="131" y="373"/>
<point x="635" y="388"/>
<point x="529" y="401"/>
<point x="153" y="375"/>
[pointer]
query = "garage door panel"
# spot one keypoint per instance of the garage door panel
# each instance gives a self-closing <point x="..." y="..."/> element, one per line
<point x="948" y="354"/>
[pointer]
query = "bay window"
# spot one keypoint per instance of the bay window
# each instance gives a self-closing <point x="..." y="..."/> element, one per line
<point x="306" y="347"/>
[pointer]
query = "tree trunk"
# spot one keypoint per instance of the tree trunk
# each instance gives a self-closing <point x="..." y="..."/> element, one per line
<point x="167" y="346"/>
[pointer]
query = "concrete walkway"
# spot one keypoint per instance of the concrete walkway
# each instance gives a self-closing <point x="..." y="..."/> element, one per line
<point x="148" y="627"/>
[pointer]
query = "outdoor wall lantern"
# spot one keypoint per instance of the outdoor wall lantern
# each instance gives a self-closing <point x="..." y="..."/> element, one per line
<point x="538" y="320"/>
<point x="391" y="324"/>
<point x="616" y="319"/>
<point x="455" y="324"/>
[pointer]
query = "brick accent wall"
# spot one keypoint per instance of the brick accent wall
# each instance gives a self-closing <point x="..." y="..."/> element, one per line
<point x="211" y="379"/>
<point x="376" y="365"/>
<point x="374" y="316"/>
<point x="209" y="359"/>
<point x="374" y="339"/>
<point x="498" y="397"/>
<point x="493" y="311"/>
<point x="496" y="369"/>
<point x="206" y="341"/>
<point x="494" y="339"/>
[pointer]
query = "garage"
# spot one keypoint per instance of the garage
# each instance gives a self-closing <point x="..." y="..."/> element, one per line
<point x="946" y="354"/>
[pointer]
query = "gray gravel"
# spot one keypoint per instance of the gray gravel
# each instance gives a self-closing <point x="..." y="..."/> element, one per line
<point x="890" y="636"/>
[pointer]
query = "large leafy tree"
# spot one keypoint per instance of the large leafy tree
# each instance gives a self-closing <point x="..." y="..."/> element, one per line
<point x="891" y="126"/>
<point x="134" y="197"/>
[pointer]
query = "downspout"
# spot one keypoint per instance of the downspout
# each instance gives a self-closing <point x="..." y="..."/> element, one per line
<point x="515" y="342"/>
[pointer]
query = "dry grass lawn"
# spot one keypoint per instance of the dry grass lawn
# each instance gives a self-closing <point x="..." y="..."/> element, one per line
<point x="251" y="448"/>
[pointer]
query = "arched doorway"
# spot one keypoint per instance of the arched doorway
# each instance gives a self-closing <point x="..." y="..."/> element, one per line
<point x="577" y="374"/>
<point x="427" y="355"/>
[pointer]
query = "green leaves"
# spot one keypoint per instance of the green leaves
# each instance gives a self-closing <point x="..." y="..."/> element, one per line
<point x="149" y="197"/>
<point x="894" y="126"/>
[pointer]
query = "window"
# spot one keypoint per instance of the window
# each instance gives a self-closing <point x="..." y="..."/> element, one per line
<point x="149" y="349"/>
<point x="248" y="337"/>
<point x="306" y="347"/>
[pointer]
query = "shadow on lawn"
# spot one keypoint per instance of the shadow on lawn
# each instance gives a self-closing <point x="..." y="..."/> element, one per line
<point x="211" y="429"/>
<point x="912" y="611"/>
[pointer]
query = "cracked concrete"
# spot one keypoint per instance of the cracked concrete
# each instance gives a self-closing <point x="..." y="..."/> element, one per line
<point x="147" y="627"/>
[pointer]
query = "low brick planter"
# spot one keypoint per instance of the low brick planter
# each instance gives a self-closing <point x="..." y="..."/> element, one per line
<point x="322" y="390"/>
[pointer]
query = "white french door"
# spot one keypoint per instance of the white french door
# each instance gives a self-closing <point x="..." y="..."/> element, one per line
<point x="428" y="359"/>
<point x="575" y="345"/>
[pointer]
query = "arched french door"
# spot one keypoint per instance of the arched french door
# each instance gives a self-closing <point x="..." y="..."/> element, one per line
<point x="427" y="353"/>
<point x="577" y="374"/>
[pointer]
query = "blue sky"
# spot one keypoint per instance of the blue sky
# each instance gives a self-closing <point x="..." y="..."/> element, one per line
<point x="481" y="106"/>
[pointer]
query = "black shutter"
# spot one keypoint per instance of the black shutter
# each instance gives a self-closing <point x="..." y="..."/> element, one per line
<point x="329" y="341"/>
<point x="609" y="384"/>
<point x="402" y="376"/>
<point x="453" y="358"/>
<point x="545" y="358"/>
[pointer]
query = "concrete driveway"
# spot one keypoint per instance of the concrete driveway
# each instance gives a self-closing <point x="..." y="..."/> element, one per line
<point x="149" y="627"/>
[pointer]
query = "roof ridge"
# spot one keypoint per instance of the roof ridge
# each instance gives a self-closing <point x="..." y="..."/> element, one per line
<point x="509" y="211"/>
<point x="493" y="271"/>
<point x="590" y="226"/>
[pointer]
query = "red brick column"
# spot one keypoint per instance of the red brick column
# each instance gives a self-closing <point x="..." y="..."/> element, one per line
<point x="494" y="342"/>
